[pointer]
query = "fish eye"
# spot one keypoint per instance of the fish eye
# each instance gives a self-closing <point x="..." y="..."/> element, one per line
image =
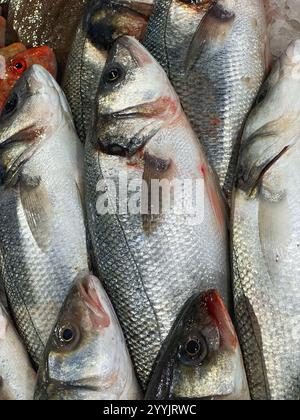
<point x="19" y="66"/>
<point x="67" y="334"/>
<point x="113" y="74"/>
<point x="194" y="351"/>
<point x="11" y="104"/>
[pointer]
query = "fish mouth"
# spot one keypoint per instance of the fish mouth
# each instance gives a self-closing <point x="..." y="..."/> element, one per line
<point x="53" y="388"/>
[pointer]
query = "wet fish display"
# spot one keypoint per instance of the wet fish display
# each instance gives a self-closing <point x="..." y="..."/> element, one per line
<point x="17" y="61"/>
<point x="215" y="54"/>
<point x="103" y="22"/>
<point x="87" y="335"/>
<point x="42" y="230"/>
<point x="149" y="210"/>
<point x="201" y="359"/>
<point x="17" y="377"/>
<point x="150" y="263"/>
<point x="266" y="236"/>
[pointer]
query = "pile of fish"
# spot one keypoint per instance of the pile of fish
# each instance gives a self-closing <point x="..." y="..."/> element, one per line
<point x="101" y="300"/>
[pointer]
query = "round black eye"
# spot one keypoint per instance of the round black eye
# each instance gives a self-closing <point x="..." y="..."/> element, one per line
<point x="192" y="347"/>
<point x="11" y="105"/>
<point x="194" y="351"/>
<point x="66" y="335"/>
<point x="113" y="75"/>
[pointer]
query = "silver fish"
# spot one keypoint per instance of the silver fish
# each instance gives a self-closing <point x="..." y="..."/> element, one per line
<point x="201" y="358"/>
<point x="103" y="22"/>
<point x="153" y="259"/>
<point x="214" y="53"/>
<point x="43" y="245"/>
<point x="86" y="357"/>
<point x="266" y="229"/>
<point x="17" y="377"/>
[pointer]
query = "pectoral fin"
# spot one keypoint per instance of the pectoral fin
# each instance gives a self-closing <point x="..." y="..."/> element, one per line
<point x="156" y="170"/>
<point x="262" y="150"/>
<point x="212" y="31"/>
<point x="38" y="210"/>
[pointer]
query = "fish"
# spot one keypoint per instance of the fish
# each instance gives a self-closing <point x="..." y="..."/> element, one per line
<point x="103" y="22"/>
<point x="86" y="357"/>
<point x="153" y="249"/>
<point x="283" y="25"/>
<point x="17" y="377"/>
<point x="265" y="226"/>
<point x="42" y="226"/>
<point x="201" y="359"/>
<point x="46" y="23"/>
<point x="17" y="64"/>
<point x="215" y="54"/>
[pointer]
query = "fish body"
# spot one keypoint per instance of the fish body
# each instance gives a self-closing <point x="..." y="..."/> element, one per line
<point x="150" y="260"/>
<point x="103" y="22"/>
<point x="86" y="357"/>
<point x="201" y="358"/>
<point x="16" y="60"/>
<point x="215" y="56"/>
<point x="266" y="251"/>
<point x="17" y="377"/>
<point x="42" y="230"/>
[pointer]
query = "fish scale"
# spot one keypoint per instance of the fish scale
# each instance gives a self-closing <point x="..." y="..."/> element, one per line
<point x="213" y="93"/>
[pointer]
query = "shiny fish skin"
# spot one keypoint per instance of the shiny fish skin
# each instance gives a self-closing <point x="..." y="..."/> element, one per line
<point x="97" y="349"/>
<point x="17" y="377"/>
<point x="266" y="233"/>
<point x="102" y="23"/>
<point x="43" y="245"/>
<point x="216" y="62"/>
<point x="150" y="267"/>
<point x="201" y="358"/>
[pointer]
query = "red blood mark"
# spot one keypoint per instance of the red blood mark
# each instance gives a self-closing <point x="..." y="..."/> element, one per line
<point x="217" y="310"/>
<point x="99" y="317"/>
<point x="216" y="122"/>
<point x="213" y="193"/>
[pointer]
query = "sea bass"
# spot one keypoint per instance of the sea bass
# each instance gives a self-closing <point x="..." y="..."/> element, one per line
<point x="17" y="64"/>
<point x="103" y="22"/>
<point x="157" y="248"/>
<point x="17" y="377"/>
<point x="86" y="357"/>
<point x="42" y="231"/>
<point x="214" y="53"/>
<point x="201" y="358"/>
<point x="266" y="230"/>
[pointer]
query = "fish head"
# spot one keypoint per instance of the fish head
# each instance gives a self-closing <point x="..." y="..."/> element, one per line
<point x="16" y="64"/>
<point x="85" y="351"/>
<point x="135" y="100"/>
<point x="33" y="112"/>
<point x="201" y="358"/>
<point x="273" y="126"/>
<point x="106" y="20"/>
